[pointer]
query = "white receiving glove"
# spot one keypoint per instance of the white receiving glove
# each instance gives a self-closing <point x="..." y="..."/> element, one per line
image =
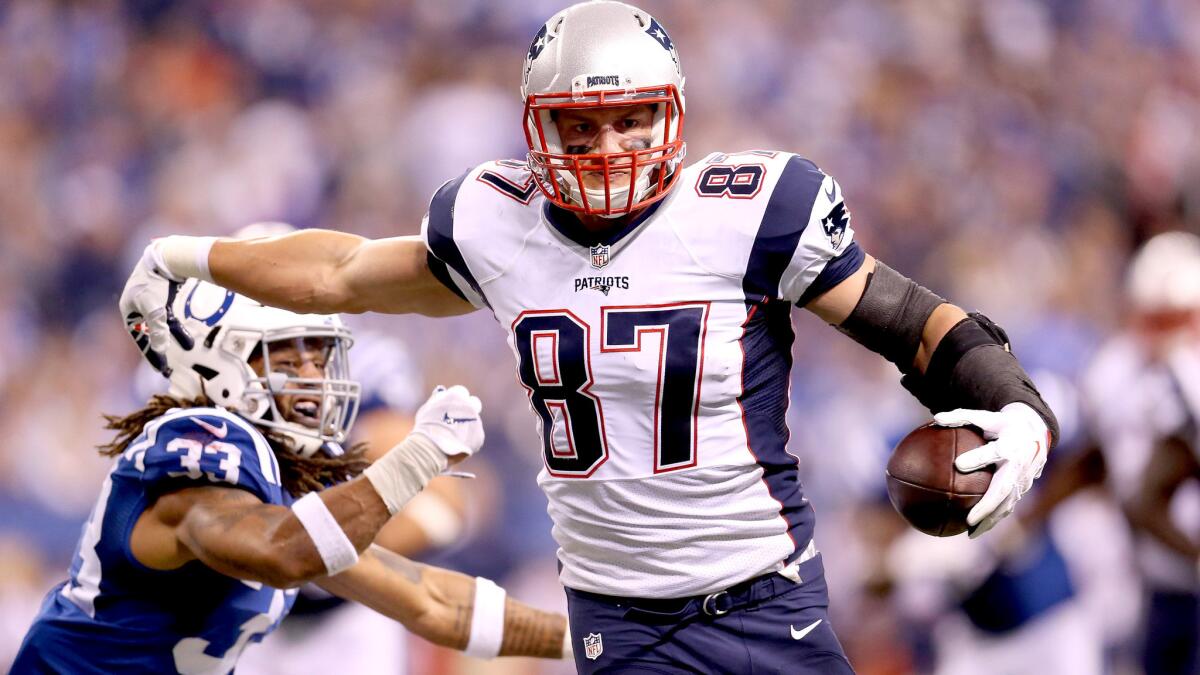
<point x="450" y="418"/>
<point x="1019" y="444"/>
<point x="148" y="292"/>
<point x="447" y="428"/>
<point x="143" y="306"/>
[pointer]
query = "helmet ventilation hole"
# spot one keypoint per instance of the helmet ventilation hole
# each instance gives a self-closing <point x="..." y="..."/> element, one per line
<point x="205" y="372"/>
<point x="212" y="336"/>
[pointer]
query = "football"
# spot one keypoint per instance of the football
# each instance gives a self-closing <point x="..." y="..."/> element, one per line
<point x="923" y="484"/>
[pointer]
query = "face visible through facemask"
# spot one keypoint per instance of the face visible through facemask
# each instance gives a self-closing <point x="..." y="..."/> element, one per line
<point x="624" y="129"/>
<point x="302" y="359"/>
<point x="1163" y="330"/>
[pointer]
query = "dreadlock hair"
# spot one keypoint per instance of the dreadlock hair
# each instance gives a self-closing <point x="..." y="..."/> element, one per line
<point x="300" y="475"/>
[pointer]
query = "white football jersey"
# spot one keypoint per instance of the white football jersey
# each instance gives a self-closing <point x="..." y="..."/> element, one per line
<point x="1131" y="402"/>
<point x="1183" y="364"/>
<point x="656" y="359"/>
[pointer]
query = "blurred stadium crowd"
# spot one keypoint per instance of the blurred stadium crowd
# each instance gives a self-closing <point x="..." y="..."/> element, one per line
<point x="1009" y="154"/>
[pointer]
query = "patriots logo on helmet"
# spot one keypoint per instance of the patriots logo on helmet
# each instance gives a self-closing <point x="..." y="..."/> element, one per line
<point x="835" y="224"/>
<point x="539" y="43"/>
<point x="535" y="50"/>
<point x="656" y="31"/>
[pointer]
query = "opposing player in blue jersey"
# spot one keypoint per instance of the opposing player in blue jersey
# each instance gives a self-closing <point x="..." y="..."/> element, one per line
<point x="324" y="632"/>
<point x="648" y="305"/>
<point x="215" y="509"/>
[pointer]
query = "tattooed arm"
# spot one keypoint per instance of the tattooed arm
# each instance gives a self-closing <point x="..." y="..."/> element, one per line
<point x="235" y="533"/>
<point x="438" y="604"/>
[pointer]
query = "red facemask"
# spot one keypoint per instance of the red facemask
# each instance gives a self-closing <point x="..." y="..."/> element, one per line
<point x="560" y="175"/>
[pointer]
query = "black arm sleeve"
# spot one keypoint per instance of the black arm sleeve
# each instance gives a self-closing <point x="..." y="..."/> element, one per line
<point x="973" y="367"/>
<point x="890" y="317"/>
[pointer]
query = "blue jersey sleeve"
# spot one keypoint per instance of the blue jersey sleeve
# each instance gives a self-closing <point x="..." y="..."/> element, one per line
<point x="207" y="446"/>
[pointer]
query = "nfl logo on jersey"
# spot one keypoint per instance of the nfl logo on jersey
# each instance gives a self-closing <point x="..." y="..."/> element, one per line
<point x="599" y="256"/>
<point x="592" y="645"/>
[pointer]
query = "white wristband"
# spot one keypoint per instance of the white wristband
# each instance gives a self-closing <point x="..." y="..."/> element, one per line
<point x="568" y="650"/>
<point x="405" y="470"/>
<point x="487" y="621"/>
<point x="186" y="257"/>
<point x="335" y="548"/>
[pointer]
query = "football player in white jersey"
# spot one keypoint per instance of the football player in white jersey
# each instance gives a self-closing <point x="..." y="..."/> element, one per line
<point x="1141" y="403"/>
<point x="648" y="305"/>
<point x="1166" y="509"/>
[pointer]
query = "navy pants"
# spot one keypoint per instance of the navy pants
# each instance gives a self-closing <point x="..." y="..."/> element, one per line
<point x="767" y="625"/>
<point x="1172" y="627"/>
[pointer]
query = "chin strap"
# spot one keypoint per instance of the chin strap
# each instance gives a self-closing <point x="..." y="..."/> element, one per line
<point x="618" y="197"/>
<point x="301" y="444"/>
<point x="305" y="446"/>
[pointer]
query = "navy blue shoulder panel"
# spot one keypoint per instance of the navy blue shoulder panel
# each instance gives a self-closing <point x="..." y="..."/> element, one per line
<point x="835" y="272"/>
<point x="440" y="234"/>
<point x="783" y="222"/>
<point x="442" y="273"/>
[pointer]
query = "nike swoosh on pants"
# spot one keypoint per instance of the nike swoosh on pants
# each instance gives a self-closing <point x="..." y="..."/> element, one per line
<point x="799" y="634"/>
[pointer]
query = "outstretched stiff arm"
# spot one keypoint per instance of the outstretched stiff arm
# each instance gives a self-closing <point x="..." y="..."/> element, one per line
<point x="326" y="272"/>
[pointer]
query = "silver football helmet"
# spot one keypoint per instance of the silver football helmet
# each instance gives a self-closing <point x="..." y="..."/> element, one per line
<point x="603" y="54"/>
<point x="228" y="331"/>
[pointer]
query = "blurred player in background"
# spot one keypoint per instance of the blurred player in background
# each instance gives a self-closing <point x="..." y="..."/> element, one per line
<point x="323" y="631"/>
<point x="1173" y="618"/>
<point x="1155" y="469"/>
<point x="649" y="308"/>
<point x="216" y="507"/>
<point x="1140" y="408"/>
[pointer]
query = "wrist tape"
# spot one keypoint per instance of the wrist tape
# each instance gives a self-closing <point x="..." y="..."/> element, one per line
<point x="186" y="257"/>
<point x="405" y="470"/>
